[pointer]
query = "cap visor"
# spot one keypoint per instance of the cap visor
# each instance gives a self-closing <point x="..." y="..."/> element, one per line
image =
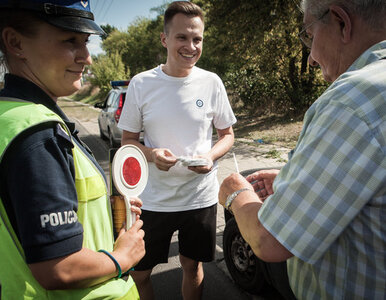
<point x="75" y="24"/>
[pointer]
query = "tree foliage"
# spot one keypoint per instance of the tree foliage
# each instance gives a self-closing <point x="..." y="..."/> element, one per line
<point x="139" y="46"/>
<point x="251" y="44"/>
<point x="108" y="29"/>
<point x="107" y="68"/>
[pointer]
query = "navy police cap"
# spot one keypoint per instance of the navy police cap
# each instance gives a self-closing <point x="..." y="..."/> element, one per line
<point x="72" y="15"/>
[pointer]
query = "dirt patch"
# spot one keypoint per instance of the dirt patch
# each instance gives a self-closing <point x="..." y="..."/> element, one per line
<point x="271" y="136"/>
<point x="78" y="110"/>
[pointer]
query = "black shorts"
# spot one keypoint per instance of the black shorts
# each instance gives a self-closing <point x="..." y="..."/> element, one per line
<point x="196" y="235"/>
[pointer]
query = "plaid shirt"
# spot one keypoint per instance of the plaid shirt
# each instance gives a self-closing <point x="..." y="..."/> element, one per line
<point x="329" y="205"/>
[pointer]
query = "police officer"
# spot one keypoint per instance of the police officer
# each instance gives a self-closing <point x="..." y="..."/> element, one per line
<point x="55" y="218"/>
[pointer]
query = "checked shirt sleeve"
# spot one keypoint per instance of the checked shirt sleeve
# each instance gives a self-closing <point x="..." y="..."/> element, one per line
<point x="336" y="169"/>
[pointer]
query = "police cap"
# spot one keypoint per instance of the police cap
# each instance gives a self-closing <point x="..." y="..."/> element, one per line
<point x="72" y="15"/>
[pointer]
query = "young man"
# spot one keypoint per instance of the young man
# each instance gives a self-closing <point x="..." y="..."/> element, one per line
<point x="326" y="210"/>
<point x="177" y="105"/>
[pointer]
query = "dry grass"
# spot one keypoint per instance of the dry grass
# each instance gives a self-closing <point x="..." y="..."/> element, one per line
<point x="78" y="110"/>
<point x="276" y="130"/>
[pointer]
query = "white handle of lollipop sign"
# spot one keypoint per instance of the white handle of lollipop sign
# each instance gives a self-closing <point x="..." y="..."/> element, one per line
<point x="130" y="173"/>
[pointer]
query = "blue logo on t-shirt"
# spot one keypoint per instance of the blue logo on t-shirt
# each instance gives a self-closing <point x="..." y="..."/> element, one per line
<point x="199" y="103"/>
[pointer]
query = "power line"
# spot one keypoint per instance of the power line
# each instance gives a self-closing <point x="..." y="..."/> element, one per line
<point x="101" y="9"/>
<point x="96" y="7"/>
<point x="108" y="8"/>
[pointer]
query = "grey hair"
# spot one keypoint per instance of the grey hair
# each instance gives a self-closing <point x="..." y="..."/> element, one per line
<point x="373" y="12"/>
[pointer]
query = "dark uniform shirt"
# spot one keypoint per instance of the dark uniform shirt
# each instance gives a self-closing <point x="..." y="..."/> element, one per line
<point x="37" y="183"/>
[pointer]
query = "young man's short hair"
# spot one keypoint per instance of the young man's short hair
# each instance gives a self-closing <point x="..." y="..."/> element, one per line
<point x="183" y="7"/>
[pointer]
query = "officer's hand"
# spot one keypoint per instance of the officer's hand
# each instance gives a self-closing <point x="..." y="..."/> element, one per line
<point x="129" y="248"/>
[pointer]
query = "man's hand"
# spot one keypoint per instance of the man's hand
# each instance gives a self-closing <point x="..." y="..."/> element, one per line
<point x="203" y="169"/>
<point x="164" y="159"/>
<point x="136" y="205"/>
<point x="262" y="182"/>
<point x="231" y="184"/>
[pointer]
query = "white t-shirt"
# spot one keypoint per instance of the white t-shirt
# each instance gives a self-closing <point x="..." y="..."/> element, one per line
<point x="177" y="114"/>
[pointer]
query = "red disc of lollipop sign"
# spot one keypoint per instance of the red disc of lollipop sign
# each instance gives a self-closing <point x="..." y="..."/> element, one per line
<point x="130" y="173"/>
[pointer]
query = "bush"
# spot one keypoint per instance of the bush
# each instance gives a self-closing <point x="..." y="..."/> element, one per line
<point x="107" y="68"/>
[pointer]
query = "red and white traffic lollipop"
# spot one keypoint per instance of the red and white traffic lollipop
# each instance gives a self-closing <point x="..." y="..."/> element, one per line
<point x="130" y="173"/>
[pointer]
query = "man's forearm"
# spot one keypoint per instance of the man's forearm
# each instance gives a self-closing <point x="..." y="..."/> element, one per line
<point x="146" y="150"/>
<point x="245" y="208"/>
<point x="133" y="139"/>
<point x="224" y="143"/>
<point x="78" y="270"/>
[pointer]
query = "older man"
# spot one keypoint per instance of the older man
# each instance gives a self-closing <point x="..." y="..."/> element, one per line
<point x="325" y="209"/>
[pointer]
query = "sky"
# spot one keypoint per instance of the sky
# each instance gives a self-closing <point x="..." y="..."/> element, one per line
<point x="120" y="14"/>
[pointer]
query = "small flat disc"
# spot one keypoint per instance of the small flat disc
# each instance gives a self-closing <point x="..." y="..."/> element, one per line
<point x="130" y="171"/>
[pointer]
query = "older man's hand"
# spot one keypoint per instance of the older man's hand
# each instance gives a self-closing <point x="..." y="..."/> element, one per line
<point x="231" y="184"/>
<point x="262" y="182"/>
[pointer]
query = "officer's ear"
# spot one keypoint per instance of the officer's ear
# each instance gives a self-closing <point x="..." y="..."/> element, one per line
<point x="13" y="42"/>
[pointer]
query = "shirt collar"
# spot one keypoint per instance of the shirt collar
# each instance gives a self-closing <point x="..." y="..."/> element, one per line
<point x="373" y="54"/>
<point x="32" y="93"/>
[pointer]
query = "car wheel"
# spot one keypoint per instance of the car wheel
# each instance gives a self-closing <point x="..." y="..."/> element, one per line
<point x="112" y="142"/>
<point x="227" y="215"/>
<point x="241" y="262"/>
<point x="101" y="135"/>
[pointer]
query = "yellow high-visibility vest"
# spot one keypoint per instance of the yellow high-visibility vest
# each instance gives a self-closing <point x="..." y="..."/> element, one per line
<point x="94" y="213"/>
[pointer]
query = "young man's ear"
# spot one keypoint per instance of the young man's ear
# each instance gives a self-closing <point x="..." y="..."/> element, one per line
<point x="341" y="16"/>
<point x="12" y="42"/>
<point x="163" y="39"/>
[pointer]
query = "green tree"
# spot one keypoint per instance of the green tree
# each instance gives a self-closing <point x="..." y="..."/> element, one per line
<point x="108" y="29"/>
<point x="107" y="68"/>
<point x="253" y="46"/>
<point x="139" y="46"/>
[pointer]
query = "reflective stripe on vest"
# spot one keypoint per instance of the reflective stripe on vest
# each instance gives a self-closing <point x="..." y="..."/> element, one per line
<point x="94" y="213"/>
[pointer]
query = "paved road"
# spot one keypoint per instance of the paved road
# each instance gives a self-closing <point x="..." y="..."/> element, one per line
<point x="166" y="278"/>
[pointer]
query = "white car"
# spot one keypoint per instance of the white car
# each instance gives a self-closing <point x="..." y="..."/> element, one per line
<point x="111" y="109"/>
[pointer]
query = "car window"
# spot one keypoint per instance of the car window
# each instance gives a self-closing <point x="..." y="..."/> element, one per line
<point x="116" y="100"/>
<point x="123" y="98"/>
<point x="110" y="100"/>
<point x="120" y="96"/>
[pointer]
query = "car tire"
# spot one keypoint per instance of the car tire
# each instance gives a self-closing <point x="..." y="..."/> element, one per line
<point x="112" y="144"/>
<point x="241" y="262"/>
<point x="101" y="135"/>
<point x="227" y="215"/>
